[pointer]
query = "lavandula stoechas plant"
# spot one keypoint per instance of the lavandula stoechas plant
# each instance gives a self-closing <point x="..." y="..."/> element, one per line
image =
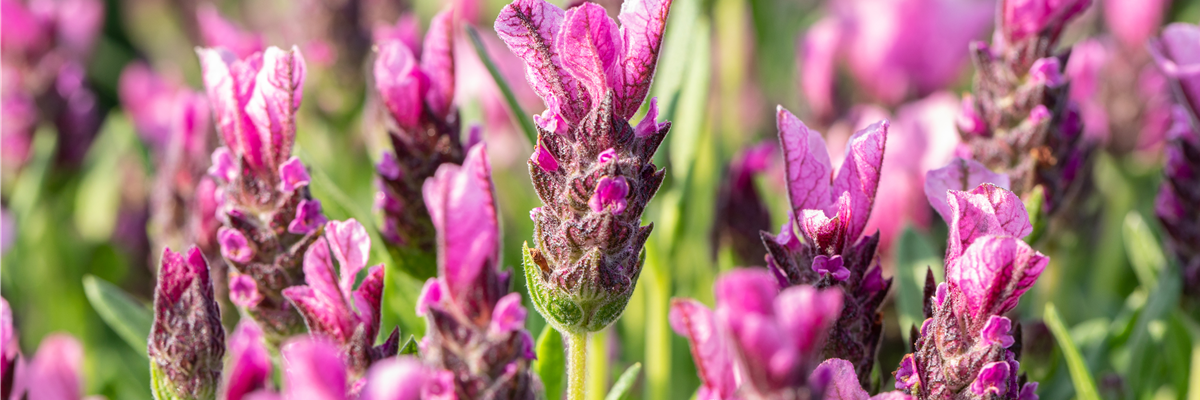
<point x="1019" y="119"/>
<point x="187" y="340"/>
<point x="965" y="347"/>
<point x="332" y="308"/>
<point x="829" y="212"/>
<point x="476" y="326"/>
<point x="1177" y="52"/>
<point x="269" y="217"/>
<point x="423" y="128"/>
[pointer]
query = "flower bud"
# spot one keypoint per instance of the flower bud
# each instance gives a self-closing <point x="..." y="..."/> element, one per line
<point x="187" y="340"/>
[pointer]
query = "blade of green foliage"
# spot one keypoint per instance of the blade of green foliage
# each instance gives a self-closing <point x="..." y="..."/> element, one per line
<point x="620" y="390"/>
<point x="27" y="192"/>
<point x="1144" y="252"/>
<point x="551" y="363"/>
<point x="1142" y="354"/>
<point x="914" y="256"/>
<point x="130" y="319"/>
<point x="410" y="347"/>
<point x="99" y="197"/>
<point x="1085" y="386"/>
<point x="1035" y="204"/>
<point x="400" y="288"/>
<point x="518" y="113"/>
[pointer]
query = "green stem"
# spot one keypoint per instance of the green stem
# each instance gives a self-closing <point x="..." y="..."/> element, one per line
<point x="597" y="364"/>
<point x="576" y="364"/>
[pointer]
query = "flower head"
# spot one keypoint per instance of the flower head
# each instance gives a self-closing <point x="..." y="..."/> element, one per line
<point x="187" y="340"/>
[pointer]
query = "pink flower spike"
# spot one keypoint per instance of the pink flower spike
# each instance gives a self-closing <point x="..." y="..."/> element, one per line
<point x="824" y="265"/>
<point x="993" y="379"/>
<point x="530" y="28"/>
<point x="55" y="371"/>
<point x="1047" y="71"/>
<point x="224" y="166"/>
<point x="544" y="159"/>
<point x="610" y="192"/>
<point x="308" y="217"/>
<point x="960" y="174"/>
<point x="313" y="369"/>
<point x="401" y="84"/>
<point x="234" y="245"/>
<point x="243" y="291"/>
<point x="249" y="363"/>
<point x="649" y="124"/>
<point x="509" y="315"/>
<point x="292" y="175"/>
<point x="996" y="331"/>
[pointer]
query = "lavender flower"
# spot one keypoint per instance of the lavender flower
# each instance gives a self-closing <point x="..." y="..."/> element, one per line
<point x="475" y="325"/>
<point x="249" y="368"/>
<point x="423" y="126"/>
<point x="332" y="307"/>
<point x="741" y="213"/>
<point x="591" y="168"/>
<point x="187" y="340"/>
<point x="830" y="213"/>
<point x="963" y="349"/>
<point x="1178" y="202"/>
<point x="1021" y="121"/>
<point x="269" y="217"/>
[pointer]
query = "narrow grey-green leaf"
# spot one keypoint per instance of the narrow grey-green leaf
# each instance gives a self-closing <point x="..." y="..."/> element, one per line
<point x="410" y="347"/>
<point x="518" y="113"/>
<point x="620" y="390"/>
<point x="1145" y="254"/>
<point x="914" y="256"/>
<point x="551" y="363"/>
<point x="1085" y="386"/>
<point x="125" y="315"/>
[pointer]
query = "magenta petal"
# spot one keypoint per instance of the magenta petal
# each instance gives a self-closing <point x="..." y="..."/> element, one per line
<point x="249" y="365"/>
<point x="985" y="210"/>
<point x="610" y="194"/>
<point x="398" y="378"/>
<point x="1029" y="391"/>
<point x="649" y="124"/>
<point x="322" y="303"/>
<point x="843" y="381"/>
<point x="461" y="205"/>
<point x="272" y="106"/>
<point x="993" y="379"/>
<point x="825" y="265"/>
<point x="807" y="164"/>
<point x="642" y="25"/>
<point x="437" y="61"/>
<point x="308" y="217"/>
<point x="243" y="291"/>
<point x="606" y="156"/>
<point x="590" y="48"/>
<point x="225" y="79"/>
<point x="712" y="355"/>
<point x="292" y="175"/>
<point x="530" y="29"/>
<point x="407" y="30"/>
<point x="1047" y="71"/>
<point x="818" y="64"/>
<point x="551" y="121"/>
<point x="371" y="292"/>
<point x="960" y="174"/>
<point x="55" y="372"/>
<point x="351" y="246"/>
<point x="996" y="331"/>
<point x="401" y="84"/>
<point x="994" y="272"/>
<point x="313" y="369"/>
<point x="509" y="315"/>
<point x="746" y="291"/>
<point x="388" y="167"/>
<point x="906" y="376"/>
<point x="224" y="166"/>
<point x="431" y="294"/>
<point x="544" y="159"/>
<point x="859" y="174"/>
<point x="805" y="314"/>
<point x="1177" y="54"/>
<point x="234" y="245"/>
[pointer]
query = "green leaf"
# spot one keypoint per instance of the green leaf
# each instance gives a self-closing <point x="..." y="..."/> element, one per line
<point x="551" y="363"/>
<point x="914" y="256"/>
<point x="1144" y="252"/>
<point x="99" y="197"/>
<point x="125" y="315"/>
<point x="1085" y="386"/>
<point x="410" y="347"/>
<point x="514" y="107"/>
<point x="620" y="390"/>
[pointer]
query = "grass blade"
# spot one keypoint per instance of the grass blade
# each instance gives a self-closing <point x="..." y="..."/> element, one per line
<point x="1085" y="386"/>
<point x="620" y="390"/>
<point x="125" y="315"/>
<point x="518" y="113"/>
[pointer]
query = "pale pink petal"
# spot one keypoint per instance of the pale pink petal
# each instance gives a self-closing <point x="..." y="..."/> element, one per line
<point x="985" y="210"/>
<point x="462" y="207"/>
<point x="960" y="174"/>
<point x="313" y="370"/>
<point x="994" y="272"/>
<point x="216" y="31"/>
<point x="807" y="162"/>
<point x="714" y="361"/>
<point x="292" y="175"/>
<point x="530" y="28"/>
<point x="351" y="246"/>
<point x="642" y="25"/>
<point x="843" y="381"/>
<point x="401" y="83"/>
<point x="437" y="61"/>
<point x="859" y="174"/>
<point x="276" y="98"/>
<point x="55" y="372"/>
<point x="817" y="72"/>
<point x="590" y="48"/>
<point x="249" y="367"/>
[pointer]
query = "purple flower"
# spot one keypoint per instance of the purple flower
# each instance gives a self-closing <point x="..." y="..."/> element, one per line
<point x="593" y="76"/>
<point x="711" y="352"/>
<point x="254" y="101"/>
<point x="187" y="340"/>
<point x="417" y="88"/>
<point x="476" y="327"/>
<point x="830" y="211"/>
<point x="331" y="306"/>
<point x="249" y="368"/>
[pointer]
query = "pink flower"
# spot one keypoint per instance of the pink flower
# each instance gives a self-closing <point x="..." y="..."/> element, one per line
<point x="313" y="370"/>
<point x="249" y="366"/>
<point x="711" y="352"/>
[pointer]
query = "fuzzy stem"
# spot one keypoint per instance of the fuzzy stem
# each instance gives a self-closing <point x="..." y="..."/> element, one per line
<point x="576" y="364"/>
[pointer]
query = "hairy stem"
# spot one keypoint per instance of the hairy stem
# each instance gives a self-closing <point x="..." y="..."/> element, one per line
<point x="576" y="364"/>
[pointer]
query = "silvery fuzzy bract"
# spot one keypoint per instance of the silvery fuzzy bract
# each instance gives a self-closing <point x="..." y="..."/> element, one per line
<point x="591" y="169"/>
<point x="187" y="340"/>
<point x="476" y="326"/>
<point x="829" y="212"/>
<point x="269" y="217"/>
